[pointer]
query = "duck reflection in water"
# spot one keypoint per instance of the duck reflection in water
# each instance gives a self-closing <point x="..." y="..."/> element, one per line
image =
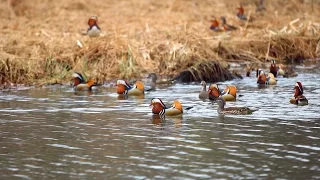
<point x="161" y="120"/>
<point x="125" y="97"/>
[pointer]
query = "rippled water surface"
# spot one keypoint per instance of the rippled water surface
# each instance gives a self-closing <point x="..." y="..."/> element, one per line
<point x="55" y="133"/>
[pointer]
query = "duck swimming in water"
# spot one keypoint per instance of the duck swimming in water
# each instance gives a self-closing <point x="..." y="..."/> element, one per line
<point x="228" y="94"/>
<point x="231" y="110"/>
<point x="79" y="84"/>
<point x="123" y="88"/>
<point x="158" y="107"/>
<point x="204" y="94"/>
<point x="298" y="97"/>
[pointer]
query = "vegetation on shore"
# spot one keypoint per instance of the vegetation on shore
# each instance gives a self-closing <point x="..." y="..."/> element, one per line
<point x="38" y="42"/>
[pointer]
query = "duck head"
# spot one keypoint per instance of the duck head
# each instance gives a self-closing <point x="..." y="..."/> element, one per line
<point x="93" y="21"/>
<point x="153" y="77"/>
<point x="298" y="89"/>
<point x="273" y="67"/>
<point x="158" y="107"/>
<point x="77" y="79"/>
<point x="214" y="91"/>
<point x="223" y="20"/>
<point x="262" y="78"/>
<point x="204" y="85"/>
<point x="122" y="87"/>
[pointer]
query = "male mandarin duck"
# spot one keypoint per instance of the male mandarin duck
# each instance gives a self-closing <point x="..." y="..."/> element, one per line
<point x="80" y="84"/>
<point x="93" y="30"/>
<point x="265" y="79"/>
<point x="228" y="94"/>
<point x="215" y="25"/>
<point x="274" y="68"/>
<point x="204" y="94"/>
<point x="231" y="110"/>
<point x="240" y="13"/>
<point x="226" y="26"/>
<point x="298" y="97"/>
<point x="124" y="88"/>
<point x="260" y="6"/>
<point x="158" y="107"/>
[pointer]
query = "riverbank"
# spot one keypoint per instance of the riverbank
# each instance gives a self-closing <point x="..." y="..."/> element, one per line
<point x="39" y="43"/>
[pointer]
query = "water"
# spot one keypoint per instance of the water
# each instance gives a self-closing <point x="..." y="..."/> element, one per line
<point x="54" y="133"/>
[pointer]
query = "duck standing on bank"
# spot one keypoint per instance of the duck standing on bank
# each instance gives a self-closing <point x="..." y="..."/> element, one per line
<point x="215" y="24"/>
<point x="93" y="30"/>
<point x="298" y="97"/>
<point x="80" y="84"/>
<point x="226" y="26"/>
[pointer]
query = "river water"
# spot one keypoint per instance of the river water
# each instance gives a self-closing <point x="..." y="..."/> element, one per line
<point x="55" y="133"/>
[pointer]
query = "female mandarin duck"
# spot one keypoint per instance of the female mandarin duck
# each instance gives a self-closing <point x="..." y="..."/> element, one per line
<point x="80" y="84"/>
<point x="228" y="94"/>
<point x="204" y="94"/>
<point x="274" y="68"/>
<point x="153" y="77"/>
<point x="124" y="88"/>
<point x="93" y="30"/>
<point x="264" y="79"/>
<point x="226" y="26"/>
<point x="231" y="110"/>
<point x="260" y="6"/>
<point x="158" y="107"/>
<point x="299" y="98"/>
<point x="215" y="25"/>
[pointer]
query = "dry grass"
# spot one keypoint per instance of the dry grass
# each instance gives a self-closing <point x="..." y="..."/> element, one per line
<point x="38" y="37"/>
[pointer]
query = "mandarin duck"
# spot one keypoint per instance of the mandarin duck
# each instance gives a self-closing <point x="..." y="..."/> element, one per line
<point x="228" y="94"/>
<point x="260" y="6"/>
<point x="226" y="26"/>
<point x="231" y="110"/>
<point x="298" y="97"/>
<point x="274" y="68"/>
<point x="204" y="94"/>
<point x="264" y="79"/>
<point x="153" y="81"/>
<point x="215" y="25"/>
<point x="93" y="30"/>
<point x="80" y="84"/>
<point x="123" y="88"/>
<point x="240" y="13"/>
<point x="158" y="107"/>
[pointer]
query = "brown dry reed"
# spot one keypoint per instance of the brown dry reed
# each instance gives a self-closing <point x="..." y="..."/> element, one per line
<point x="38" y="42"/>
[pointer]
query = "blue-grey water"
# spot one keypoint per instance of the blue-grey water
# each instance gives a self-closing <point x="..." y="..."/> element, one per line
<point x="55" y="133"/>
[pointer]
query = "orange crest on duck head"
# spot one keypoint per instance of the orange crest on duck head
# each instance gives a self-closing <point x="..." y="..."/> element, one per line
<point x="214" y="90"/>
<point x="93" y="21"/>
